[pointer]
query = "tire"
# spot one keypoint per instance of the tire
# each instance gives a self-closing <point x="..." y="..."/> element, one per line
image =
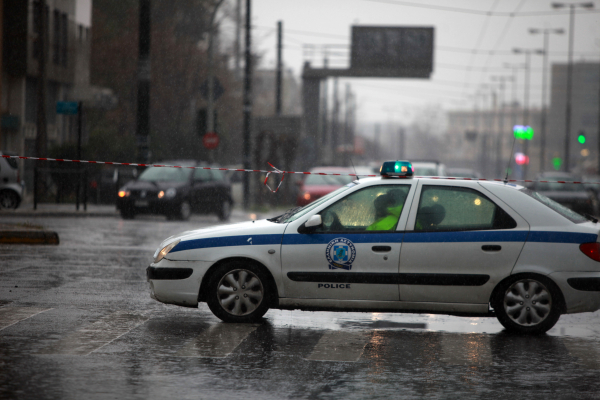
<point x="528" y="304"/>
<point x="127" y="213"/>
<point x="224" y="211"/>
<point x="183" y="212"/>
<point x="9" y="199"/>
<point x="238" y="292"/>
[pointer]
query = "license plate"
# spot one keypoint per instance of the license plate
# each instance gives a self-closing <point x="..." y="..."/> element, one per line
<point x="141" y="203"/>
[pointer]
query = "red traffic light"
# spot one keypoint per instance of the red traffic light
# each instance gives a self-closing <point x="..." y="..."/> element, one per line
<point x="521" y="159"/>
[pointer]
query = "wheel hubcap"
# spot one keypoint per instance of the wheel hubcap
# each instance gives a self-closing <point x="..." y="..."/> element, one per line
<point x="527" y="302"/>
<point x="240" y="292"/>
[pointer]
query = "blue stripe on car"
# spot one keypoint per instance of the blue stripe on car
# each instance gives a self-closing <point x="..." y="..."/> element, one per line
<point x="395" y="237"/>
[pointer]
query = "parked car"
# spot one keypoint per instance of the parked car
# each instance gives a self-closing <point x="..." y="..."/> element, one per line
<point x="463" y="173"/>
<point x="576" y="197"/>
<point x="317" y="186"/>
<point x="429" y="168"/>
<point x="11" y="187"/>
<point x="458" y="247"/>
<point x="177" y="192"/>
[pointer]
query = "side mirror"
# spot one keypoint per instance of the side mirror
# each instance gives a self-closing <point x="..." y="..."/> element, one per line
<point x="311" y="224"/>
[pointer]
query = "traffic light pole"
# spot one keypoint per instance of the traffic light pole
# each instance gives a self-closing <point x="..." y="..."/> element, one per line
<point x="247" y="107"/>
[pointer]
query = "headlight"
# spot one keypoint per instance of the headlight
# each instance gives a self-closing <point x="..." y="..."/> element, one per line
<point x="165" y="250"/>
<point x="170" y="193"/>
<point x="124" y="193"/>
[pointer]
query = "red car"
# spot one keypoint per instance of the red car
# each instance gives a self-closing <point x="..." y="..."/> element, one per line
<point x="315" y="186"/>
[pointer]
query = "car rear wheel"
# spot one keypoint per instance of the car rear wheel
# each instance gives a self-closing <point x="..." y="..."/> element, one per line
<point x="8" y="199"/>
<point x="528" y="304"/>
<point x="224" y="211"/>
<point x="238" y="292"/>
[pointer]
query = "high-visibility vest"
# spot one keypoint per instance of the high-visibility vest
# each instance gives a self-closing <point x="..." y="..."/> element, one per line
<point x="388" y="222"/>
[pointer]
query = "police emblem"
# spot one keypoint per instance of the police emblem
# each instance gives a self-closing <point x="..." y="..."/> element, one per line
<point x="340" y="253"/>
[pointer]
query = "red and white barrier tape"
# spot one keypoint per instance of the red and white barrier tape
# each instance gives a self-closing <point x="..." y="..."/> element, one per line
<point x="277" y="171"/>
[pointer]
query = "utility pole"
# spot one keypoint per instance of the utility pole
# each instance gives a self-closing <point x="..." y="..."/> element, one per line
<point x="247" y="107"/>
<point x="238" y="23"/>
<point x="335" y="118"/>
<point x="1" y="51"/>
<point x="143" y="94"/>
<point x="210" y="107"/>
<point x="41" y="140"/>
<point x="347" y="125"/>
<point x="279" y="70"/>
<point x="546" y="33"/>
<point x="324" y="111"/>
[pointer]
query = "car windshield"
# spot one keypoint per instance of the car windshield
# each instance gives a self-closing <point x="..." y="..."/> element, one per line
<point x="295" y="213"/>
<point x="154" y="174"/>
<point x="328" y="180"/>
<point x="559" y="208"/>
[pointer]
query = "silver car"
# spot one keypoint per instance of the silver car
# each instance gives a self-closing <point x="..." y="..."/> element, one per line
<point x="11" y="189"/>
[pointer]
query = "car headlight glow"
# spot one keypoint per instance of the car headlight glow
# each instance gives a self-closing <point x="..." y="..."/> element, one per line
<point x="165" y="250"/>
<point x="124" y="193"/>
<point x="170" y="193"/>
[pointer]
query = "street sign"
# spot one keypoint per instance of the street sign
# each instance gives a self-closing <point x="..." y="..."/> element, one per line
<point x="210" y="140"/>
<point x="67" y="107"/>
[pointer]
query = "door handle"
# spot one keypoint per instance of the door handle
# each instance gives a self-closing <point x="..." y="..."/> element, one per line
<point x="381" y="249"/>
<point x="491" y="247"/>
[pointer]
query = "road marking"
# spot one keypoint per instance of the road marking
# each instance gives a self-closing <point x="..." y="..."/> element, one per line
<point x="339" y="346"/>
<point x="466" y="349"/>
<point x="11" y="315"/>
<point x="96" y="335"/>
<point x="218" y="341"/>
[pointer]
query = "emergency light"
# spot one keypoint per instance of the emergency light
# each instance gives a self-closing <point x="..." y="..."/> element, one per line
<point x="400" y="169"/>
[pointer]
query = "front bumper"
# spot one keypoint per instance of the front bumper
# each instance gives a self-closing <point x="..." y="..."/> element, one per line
<point x="176" y="282"/>
<point x="154" y="206"/>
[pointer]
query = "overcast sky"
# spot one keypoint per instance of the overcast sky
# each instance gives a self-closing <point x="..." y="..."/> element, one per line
<point x="463" y="26"/>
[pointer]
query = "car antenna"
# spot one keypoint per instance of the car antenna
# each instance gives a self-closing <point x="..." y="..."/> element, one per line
<point x="510" y="155"/>
<point x="357" y="178"/>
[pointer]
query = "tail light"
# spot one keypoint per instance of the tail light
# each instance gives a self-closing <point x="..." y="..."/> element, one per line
<point x="592" y="250"/>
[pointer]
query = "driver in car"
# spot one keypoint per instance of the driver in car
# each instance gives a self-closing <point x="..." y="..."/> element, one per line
<point x="388" y="207"/>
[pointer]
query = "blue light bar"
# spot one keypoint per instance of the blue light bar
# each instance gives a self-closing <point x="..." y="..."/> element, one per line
<point x="400" y="169"/>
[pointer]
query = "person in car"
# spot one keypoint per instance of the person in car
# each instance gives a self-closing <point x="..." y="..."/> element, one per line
<point x="388" y="207"/>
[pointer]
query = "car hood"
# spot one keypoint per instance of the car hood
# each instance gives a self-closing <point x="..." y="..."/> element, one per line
<point x="153" y="185"/>
<point x="200" y="244"/>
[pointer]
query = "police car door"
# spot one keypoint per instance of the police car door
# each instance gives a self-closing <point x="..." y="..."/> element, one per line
<point x="465" y="240"/>
<point x="343" y="258"/>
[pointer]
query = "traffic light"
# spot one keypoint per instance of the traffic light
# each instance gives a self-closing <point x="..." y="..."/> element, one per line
<point x="581" y="137"/>
<point x="556" y="163"/>
<point x="524" y="132"/>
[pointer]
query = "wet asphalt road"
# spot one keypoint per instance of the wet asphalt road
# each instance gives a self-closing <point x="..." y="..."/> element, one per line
<point x="76" y="321"/>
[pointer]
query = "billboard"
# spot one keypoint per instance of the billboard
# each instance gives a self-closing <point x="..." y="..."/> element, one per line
<point x="392" y="50"/>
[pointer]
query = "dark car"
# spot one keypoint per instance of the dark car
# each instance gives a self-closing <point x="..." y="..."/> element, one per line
<point x="577" y="197"/>
<point x="176" y="192"/>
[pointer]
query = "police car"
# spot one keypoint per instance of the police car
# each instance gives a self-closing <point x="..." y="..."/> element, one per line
<point x="395" y="243"/>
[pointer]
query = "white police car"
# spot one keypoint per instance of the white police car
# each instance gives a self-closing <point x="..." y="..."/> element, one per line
<point x="394" y="244"/>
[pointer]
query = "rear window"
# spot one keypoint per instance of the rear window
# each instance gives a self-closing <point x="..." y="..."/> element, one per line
<point x="559" y="208"/>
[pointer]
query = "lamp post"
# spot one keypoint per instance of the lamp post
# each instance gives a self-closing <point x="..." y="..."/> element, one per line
<point x="499" y="135"/>
<point x="528" y="53"/>
<point x="546" y="32"/>
<point x="572" y="7"/>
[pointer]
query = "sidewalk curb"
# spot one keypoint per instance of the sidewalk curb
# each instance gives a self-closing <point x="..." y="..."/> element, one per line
<point x="28" y="237"/>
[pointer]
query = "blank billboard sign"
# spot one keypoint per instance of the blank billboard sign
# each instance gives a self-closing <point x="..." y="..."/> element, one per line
<point x="392" y="50"/>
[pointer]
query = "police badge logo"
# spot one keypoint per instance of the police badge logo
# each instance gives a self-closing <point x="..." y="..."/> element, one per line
<point x="340" y="253"/>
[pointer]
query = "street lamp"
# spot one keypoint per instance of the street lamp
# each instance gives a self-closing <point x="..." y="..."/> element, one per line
<point x="546" y="32"/>
<point x="502" y="80"/>
<point x="528" y="53"/>
<point x="572" y="7"/>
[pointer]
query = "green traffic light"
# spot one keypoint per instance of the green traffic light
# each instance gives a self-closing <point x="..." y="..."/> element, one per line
<point x="581" y="139"/>
<point x="556" y="163"/>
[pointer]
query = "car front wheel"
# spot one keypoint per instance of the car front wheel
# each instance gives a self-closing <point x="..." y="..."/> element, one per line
<point x="238" y="292"/>
<point x="224" y="211"/>
<point x="528" y="304"/>
<point x="8" y="199"/>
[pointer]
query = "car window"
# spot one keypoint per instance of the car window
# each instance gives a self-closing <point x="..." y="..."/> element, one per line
<point x="448" y="208"/>
<point x="165" y="174"/>
<point x="373" y="209"/>
<point x="217" y="175"/>
<point x="202" y="175"/>
<point x="559" y="208"/>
